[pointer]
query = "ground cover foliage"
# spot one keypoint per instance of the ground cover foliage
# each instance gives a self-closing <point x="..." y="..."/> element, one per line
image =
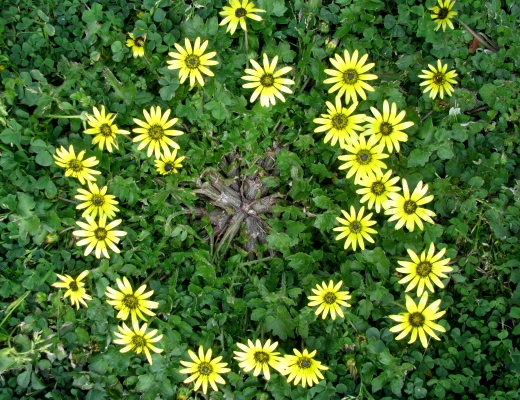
<point x="219" y="279"/>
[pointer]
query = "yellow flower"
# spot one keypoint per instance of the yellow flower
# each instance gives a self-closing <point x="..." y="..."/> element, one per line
<point x="267" y="81"/>
<point x="137" y="339"/>
<point x="258" y="357"/>
<point x="406" y="208"/>
<point x="355" y="229"/>
<point x="75" y="287"/>
<point x="424" y="270"/>
<point x="377" y="189"/>
<point x="349" y="76"/>
<point x="96" y="201"/>
<point x="137" y="45"/>
<point x="387" y="127"/>
<point x="419" y="320"/>
<point x="339" y="123"/>
<point x="329" y="299"/>
<point x="365" y="160"/>
<point x="104" y="129"/>
<point x="168" y="164"/>
<point x="99" y="235"/>
<point x="438" y="80"/>
<point x="191" y="62"/>
<point x="237" y="13"/>
<point x="303" y="367"/>
<point x="204" y="370"/>
<point x="74" y="166"/>
<point x="442" y="14"/>
<point x="154" y="132"/>
<point x="130" y="302"/>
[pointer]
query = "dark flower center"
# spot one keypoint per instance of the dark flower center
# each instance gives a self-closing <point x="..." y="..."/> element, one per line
<point x="205" y="368"/>
<point x="73" y="286"/>
<point x="192" y="61"/>
<point x="240" y="12"/>
<point x="410" y="207"/>
<point x="386" y="128"/>
<point x="443" y="13"/>
<point x="330" y="298"/>
<point x="267" y="80"/>
<point x="168" y="167"/>
<point x="364" y="157"/>
<point x="304" y="362"/>
<point x="105" y="130"/>
<point x="438" y="79"/>
<point x="138" y="341"/>
<point x="424" y="268"/>
<point x="155" y="132"/>
<point x="261" y="357"/>
<point x="130" y="301"/>
<point x="100" y="234"/>
<point x="339" y="121"/>
<point x="350" y="76"/>
<point x="378" y="188"/>
<point x="98" y="200"/>
<point x="75" y="165"/>
<point x="416" y="319"/>
<point x="139" y="42"/>
<point x="355" y="227"/>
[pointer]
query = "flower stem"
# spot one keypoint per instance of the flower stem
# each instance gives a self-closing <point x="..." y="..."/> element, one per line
<point x="246" y="46"/>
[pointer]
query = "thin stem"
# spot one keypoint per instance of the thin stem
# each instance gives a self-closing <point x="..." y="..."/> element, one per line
<point x="67" y="200"/>
<point x="246" y="46"/>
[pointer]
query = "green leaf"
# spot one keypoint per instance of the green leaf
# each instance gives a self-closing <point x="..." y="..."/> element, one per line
<point x="302" y="263"/>
<point x="24" y="379"/>
<point x="418" y="157"/>
<point x="281" y="325"/>
<point x="159" y="15"/>
<point x="365" y="307"/>
<point x="10" y="136"/>
<point x="26" y="204"/>
<point x="44" y="159"/>
<point x="515" y="312"/>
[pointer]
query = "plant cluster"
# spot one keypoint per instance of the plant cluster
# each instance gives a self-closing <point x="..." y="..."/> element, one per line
<point x="204" y="247"/>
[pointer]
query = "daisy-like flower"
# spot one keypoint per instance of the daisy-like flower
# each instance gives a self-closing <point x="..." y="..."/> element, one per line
<point x="329" y="299"/>
<point x="377" y="189"/>
<point x="388" y="127"/>
<point x="419" y="320"/>
<point x="137" y="45"/>
<point x="442" y="14"/>
<point x="137" y="339"/>
<point x="303" y="367"/>
<point x="349" y="76"/>
<point x="168" y="163"/>
<point x="438" y="80"/>
<point x="75" y="288"/>
<point x="355" y="229"/>
<point x="154" y="132"/>
<point x="130" y="302"/>
<point x="204" y="370"/>
<point x="104" y="129"/>
<point x="365" y="160"/>
<point x="96" y="201"/>
<point x="258" y="357"/>
<point x="406" y="208"/>
<point x="192" y="61"/>
<point x="237" y="13"/>
<point x="99" y="235"/>
<point x="424" y="270"/>
<point x="267" y="81"/>
<point x="76" y="166"/>
<point x="339" y="123"/>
